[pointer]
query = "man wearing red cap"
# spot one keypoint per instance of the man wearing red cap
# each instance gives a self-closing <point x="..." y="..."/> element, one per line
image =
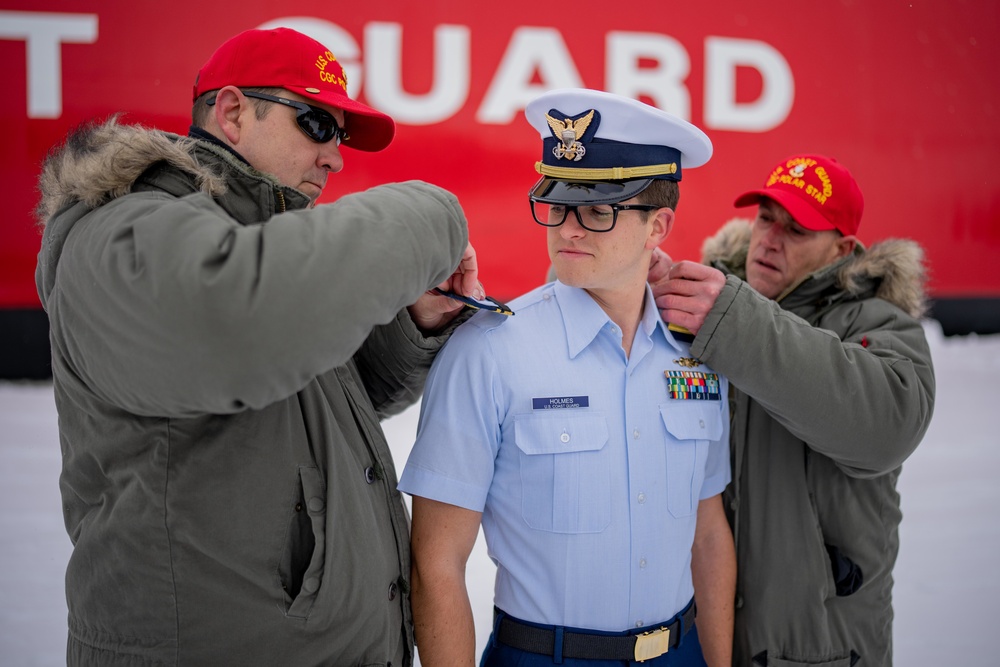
<point x="832" y="388"/>
<point x="223" y="351"/>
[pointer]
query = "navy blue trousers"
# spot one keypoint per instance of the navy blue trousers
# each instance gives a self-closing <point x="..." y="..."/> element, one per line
<point x="685" y="654"/>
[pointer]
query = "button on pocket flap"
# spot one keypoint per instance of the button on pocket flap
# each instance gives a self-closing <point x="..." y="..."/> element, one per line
<point x="695" y="421"/>
<point x="556" y="434"/>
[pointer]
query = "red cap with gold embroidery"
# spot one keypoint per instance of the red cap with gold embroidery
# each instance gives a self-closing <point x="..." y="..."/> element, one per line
<point x="285" y="58"/>
<point x="816" y="190"/>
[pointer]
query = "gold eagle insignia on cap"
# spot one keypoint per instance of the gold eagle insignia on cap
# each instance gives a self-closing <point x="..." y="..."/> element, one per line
<point x="569" y="132"/>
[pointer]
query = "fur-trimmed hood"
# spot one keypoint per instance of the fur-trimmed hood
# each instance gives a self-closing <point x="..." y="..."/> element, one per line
<point x="105" y="162"/>
<point x="893" y="270"/>
<point x="101" y="162"/>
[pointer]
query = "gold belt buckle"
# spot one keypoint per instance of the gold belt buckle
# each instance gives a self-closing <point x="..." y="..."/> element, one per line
<point x="652" y="644"/>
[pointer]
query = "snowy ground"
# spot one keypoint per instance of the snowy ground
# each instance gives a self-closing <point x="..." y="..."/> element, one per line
<point x="947" y="594"/>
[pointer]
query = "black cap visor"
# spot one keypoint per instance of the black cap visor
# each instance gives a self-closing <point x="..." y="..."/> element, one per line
<point x="571" y="193"/>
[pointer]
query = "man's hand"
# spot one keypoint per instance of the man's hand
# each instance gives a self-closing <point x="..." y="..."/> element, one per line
<point x="432" y="311"/>
<point x="685" y="292"/>
<point x="659" y="266"/>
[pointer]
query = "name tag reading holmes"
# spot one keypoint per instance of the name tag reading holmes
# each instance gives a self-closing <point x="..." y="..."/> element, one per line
<point x="560" y="402"/>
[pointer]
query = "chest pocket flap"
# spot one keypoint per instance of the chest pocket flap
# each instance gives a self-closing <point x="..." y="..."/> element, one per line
<point x="560" y="433"/>
<point x="693" y="421"/>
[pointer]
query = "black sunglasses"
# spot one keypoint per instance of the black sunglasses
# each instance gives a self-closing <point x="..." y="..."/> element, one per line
<point x="317" y="124"/>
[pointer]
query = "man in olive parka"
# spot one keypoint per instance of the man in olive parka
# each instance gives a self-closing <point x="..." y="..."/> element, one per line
<point x="832" y="388"/>
<point x="222" y="352"/>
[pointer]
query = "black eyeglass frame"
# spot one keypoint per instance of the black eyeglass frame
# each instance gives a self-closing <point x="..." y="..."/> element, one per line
<point x="615" y="208"/>
<point x="302" y="117"/>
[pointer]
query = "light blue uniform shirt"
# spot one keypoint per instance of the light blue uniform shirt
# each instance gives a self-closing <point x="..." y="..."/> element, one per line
<point x="587" y="472"/>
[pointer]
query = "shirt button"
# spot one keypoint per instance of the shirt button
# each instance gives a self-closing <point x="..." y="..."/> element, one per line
<point x="564" y="437"/>
<point x="370" y="475"/>
<point x="641" y="498"/>
<point x="739" y="602"/>
<point x="298" y="507"/>
<point x="315" y="504"/>
<point x="635" y="434"/>
<point x="639" y="623"/>
<point x="642" y="563"/>
<point x="310" y="585"/>
<point x="392" y="591"/>
<point x="701" y="423"/>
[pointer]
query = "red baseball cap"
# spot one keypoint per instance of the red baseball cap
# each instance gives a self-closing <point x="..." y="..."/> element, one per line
<point x="816" y="190"/>
<point x="285" y="58"/>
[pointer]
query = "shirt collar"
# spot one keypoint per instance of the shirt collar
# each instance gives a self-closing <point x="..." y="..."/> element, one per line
<point x="583" y="318"/>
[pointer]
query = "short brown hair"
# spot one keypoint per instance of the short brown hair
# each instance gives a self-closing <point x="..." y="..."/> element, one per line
<point x="661" y="193"/>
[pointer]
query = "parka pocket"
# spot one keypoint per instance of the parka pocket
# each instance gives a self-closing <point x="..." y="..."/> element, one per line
<point x="301" y="564"/>
<point x="565" y="471"/>
<point x="690" y="426"/>
<point x="847" y="575"/>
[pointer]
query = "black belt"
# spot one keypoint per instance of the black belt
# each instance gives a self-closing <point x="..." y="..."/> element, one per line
<point x="644" y="646"/>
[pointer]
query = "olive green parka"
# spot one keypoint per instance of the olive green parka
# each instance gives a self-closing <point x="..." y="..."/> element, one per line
<point x="832" y="389"/>
<point x="222" y="355"/>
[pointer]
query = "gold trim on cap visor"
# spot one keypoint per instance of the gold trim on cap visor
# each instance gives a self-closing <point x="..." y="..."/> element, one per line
<point x="609" y="174"/>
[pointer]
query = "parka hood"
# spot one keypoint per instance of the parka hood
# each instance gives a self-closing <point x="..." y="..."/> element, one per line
<point x="892" y="270"/>
<point x="100" y="162"/>
<point x="105" y="161"/>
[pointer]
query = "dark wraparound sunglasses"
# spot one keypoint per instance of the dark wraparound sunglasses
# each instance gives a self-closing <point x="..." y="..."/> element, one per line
<point x="317" y="124"/>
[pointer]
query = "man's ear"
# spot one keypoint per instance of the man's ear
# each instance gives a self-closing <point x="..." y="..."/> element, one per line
<point x="231" y="109"/>
<point x="662" y="222"/>
<point x="845" y="245"/>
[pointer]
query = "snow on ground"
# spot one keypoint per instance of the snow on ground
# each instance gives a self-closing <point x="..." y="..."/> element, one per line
<point x="947" y="593"/>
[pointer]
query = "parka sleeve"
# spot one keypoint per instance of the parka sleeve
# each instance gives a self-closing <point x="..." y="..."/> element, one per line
<point x="862" y="397"/>
<point x="395" y="359"/>
<point x="198" y="314"/>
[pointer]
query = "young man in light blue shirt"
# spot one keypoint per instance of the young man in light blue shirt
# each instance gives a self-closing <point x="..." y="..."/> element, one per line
<point x="580" y="433"/>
